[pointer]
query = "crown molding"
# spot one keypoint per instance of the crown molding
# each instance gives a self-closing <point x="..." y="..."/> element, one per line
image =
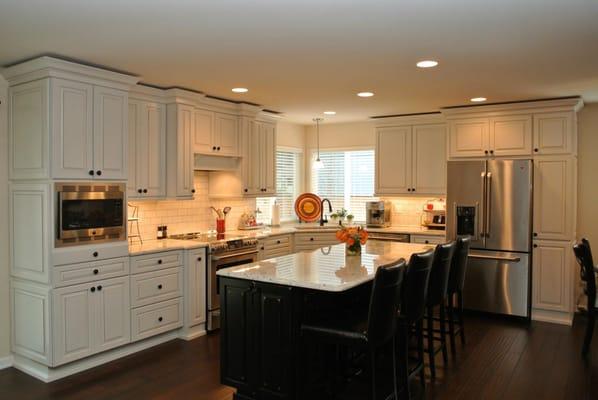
<point x="521" y="107"/>
<point x="409" y="119"/>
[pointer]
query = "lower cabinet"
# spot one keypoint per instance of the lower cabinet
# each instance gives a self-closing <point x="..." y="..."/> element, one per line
<point x="275" y="246"/>
<point x="306" y="241"/>
<point x="195" y="287"/>
<point x="427" y="239"/>
<point x="90" y="318"/>
<point x="552" y="275"/>
<point x="256" y="341"/>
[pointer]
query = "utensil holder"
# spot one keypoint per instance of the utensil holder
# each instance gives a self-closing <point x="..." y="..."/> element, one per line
<point x="220" y="225"/>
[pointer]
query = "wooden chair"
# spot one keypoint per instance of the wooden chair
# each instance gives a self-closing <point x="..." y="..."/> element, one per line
<point x="583" y="254"/>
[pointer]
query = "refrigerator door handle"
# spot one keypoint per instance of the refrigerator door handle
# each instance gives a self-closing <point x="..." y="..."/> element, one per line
<point x="482" y="257"/>
<point x="488" y="202"/>
<point x="482" y="215"/>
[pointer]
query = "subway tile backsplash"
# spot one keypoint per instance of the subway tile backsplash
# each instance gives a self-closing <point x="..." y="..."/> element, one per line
<point x="407" y="211"/>
<point x="188" y="215"/>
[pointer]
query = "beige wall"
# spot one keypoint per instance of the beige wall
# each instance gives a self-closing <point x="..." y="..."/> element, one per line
<point x="587" y="194"/>
<point x="4" y="299"/>
<point x="345" y="135"/>
<point x="290" y="135"/>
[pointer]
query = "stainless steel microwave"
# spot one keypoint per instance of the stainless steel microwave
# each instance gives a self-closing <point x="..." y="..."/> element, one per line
<point x="90" y="212"/>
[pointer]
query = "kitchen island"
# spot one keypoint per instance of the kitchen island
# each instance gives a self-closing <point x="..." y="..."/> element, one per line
<point x="263" y="305"/>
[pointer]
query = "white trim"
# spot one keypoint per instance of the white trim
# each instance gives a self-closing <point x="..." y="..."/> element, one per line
<point x="6" y="362"/>
<point x="290" y="149"/>
<point x="47" y="374"/>
<point x="553" y="317"/>
<point x="525" y="107"/>
<point x="193" y="332"/>
<point x="406" y="120"/>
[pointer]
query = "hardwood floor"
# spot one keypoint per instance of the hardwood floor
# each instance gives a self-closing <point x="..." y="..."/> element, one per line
<point x="502" y="360"/>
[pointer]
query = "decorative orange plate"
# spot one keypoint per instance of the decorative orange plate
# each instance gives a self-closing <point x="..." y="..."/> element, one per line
<point x="307" y="207"/>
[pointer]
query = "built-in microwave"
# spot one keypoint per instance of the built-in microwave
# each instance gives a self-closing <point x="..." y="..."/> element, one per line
<point x="90" y="212"/>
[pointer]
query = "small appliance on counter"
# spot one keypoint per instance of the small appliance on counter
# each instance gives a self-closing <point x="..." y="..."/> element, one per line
<point x="434" y="214"/>
<point x="377" y="214"/>
<point x="248" y="221"/>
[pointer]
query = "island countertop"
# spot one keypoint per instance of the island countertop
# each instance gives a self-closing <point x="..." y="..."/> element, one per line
<point x="326" y="269"/>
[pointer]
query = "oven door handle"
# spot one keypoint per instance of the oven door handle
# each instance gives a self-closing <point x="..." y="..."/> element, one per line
<point x="217" y="258"/>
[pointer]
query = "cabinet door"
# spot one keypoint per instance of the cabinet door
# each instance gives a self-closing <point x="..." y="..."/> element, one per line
<point x="195" y="281"/>
<point x="133" y="183"/>
<point x="553" y="133"/>
<point x="226" y="137"/>
<point x="184" y="183"/>
<point x="73" y="322"/>
<point x="468" y="137"/>
<point x="429" y="159"/>
<point x="268" y="158"/>
<point x="110" y="129"/>
<point x="511" y="135"/>
<point x="253" y="181"/>
<point x="112" y="313"/>
<point x="72" y="130"/>
<point x="552" y="273"/>
<point x="204" y="132"/>
<point x="554" y="198"/>
<point x="393" y="160"/>
<point x="153" y="161"/>
<point x="28" y="130"/>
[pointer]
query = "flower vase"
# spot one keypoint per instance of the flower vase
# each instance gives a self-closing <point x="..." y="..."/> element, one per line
<point x="354" y="249"/>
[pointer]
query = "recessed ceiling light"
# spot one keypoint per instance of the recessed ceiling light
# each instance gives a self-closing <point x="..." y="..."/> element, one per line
<point x="427" y="64"/>
<point x="365" y="94"/>
<point x="478" y="99"/>
<point x="330" y="112"/>
<point x="240" y="90"/>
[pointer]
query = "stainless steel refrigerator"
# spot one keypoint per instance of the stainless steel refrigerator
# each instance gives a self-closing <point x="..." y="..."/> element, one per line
<point x="491" y="201"/>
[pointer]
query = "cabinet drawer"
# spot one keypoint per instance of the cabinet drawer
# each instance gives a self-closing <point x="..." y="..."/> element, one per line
<point x="310" y="238"/>
<point x="427" y="239"/>
<point x="284" y="240"/>
<point x="71" y="274"/>
<point x="152" y="287"/>
<point x="156" y="261"/>
<point x="88" y="253"/>
<point x="156" y="318"/>
<point x="275" y="253"/>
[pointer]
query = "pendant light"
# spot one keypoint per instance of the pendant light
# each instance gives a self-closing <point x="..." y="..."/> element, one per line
<point x="318" y="164"/>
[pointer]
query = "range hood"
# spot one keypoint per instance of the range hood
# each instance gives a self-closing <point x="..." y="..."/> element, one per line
<point x="203" y="162"/>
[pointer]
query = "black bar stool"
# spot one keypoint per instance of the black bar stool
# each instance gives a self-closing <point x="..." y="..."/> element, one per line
<point x="410" y="319"/>
<point x="583" y="254"/>
<point x="369" y="332"/>
<point x="437" y="289"/>
<point x="455" y="291"/>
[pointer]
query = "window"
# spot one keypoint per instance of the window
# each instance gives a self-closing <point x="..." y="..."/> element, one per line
<point x="347" y="180"/>
<point x="288" y="177"/>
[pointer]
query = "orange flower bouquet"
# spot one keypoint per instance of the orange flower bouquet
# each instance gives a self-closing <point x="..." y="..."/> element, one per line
<point x="354" y="237"/>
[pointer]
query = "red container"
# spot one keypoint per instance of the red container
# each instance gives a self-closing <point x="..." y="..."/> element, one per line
<point x="220" y="226"/>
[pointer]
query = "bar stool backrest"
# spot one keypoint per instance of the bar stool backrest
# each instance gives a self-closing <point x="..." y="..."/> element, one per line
<point x="583" y="254"/>
<point x="441" y="267"/>
<point x="415" y="286"/>
<point x="459" y="266"/>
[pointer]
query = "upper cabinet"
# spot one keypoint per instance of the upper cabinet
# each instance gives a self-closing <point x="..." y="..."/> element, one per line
<point x="553" y="133"/>
<point x="215" y="133"/>
<point x="411" y="159"/>
<point x="469" y="137"/>
<point x="147" y="149"/>
<point x="258" y="167"/>
<point x="179" y="137"/>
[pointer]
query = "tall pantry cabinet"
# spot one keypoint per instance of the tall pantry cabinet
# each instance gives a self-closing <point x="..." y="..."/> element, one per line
<point x="546" y="132"/>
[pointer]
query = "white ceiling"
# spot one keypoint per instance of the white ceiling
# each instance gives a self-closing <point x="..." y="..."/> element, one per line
<point x="302" y="57"/>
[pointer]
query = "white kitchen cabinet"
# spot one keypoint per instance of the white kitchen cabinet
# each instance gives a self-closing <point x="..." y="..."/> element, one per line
<point x="110" y="132"/>
<point x="226" y="135"/>
<point x="411" y="159"/>
<point x="90" y="318"/>
<point x="259" y="159"/>
<point x="147" y="150"/>
<point x="554" y="133"/>
<point x="393" y="160"/>
<point x="552" y="275"/>
<point x="203" y="131"/>
<point x="179" y="157"/>
<point x="427" y="239"/>
<point x="554" y="197"/>
<point x="195" y="287"/>
<point x="469" y="137"/>
<point x="72" y="129"/>
<point x="275" y="246"/>
<point x="511" y="135"/>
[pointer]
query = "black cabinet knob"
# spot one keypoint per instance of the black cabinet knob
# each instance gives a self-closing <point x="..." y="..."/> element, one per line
<point x="96" y="271"/>
<point x="426" y="241"/>
<point x="198" y="258"/>
<point x="144" y="190"/>
<point x="98" y="172"/>
<point x="93" y="232"/>
<point x="262" y="248"/>
<point x="278" y="242"/>
<point x="213" y="147"/>
<point x="536" y="150"/>
<point x="486" y="152"/>
<point x="95" y="254"/>
<point x="159" y="319"/>
<point x="245" y="190"/>
<point x="192" y="190"/>
<point x="160" y="287"/>
<point x="535" y="246"/>
<point x="99" y="287"/>
<point x="311" y="239"/>
<point x="91" y="172"/>
<point x="408" y="189"/>
<point x="218" y="148"/>
<point x="491" y="151"/>
<point x="139" y="190"/>
<point x="535" y="234"/>
<point x="413" y="189"/>
<point x="93" y="289"/>
<point x="159" y="261"/>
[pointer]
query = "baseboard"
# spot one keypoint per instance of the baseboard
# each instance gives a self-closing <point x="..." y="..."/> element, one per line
<point x="6" y="362"/>
<point x="192" y="332"/>
<point x="553" y="317"/>
<point x="48" y="374"/>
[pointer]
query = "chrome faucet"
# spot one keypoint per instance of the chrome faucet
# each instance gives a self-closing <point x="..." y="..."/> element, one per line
<point x="323" y="219"/>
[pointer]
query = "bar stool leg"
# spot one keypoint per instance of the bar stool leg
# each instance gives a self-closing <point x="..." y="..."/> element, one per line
<point x="430" y="318"/>
<point x="461" y="324"/>
<point x="451" y="321"/>
<point x="420" y="352"/>
<point x="442" y="318"/>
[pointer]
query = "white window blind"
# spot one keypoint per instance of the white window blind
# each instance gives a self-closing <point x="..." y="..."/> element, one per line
<point x="347" y="180"/>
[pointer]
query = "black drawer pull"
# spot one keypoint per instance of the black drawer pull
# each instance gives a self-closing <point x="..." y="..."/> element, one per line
<point x="159" y="261"/>
<point x="192" y="190"/>
<point x="99" y="287"/>
<point x="98" y="172"/>
<point x="91" y="172"/>
<point x="311" y="239"/>
<point x="95" y="254"/>
<point x="426" y="241"/>
<point x="139" y="190"/>
<point x="160" y="319"/>
<point x="218" y="148"/>
<point x="213" y="147"/>
<point x="96" y="271"/>
<point x="144" y="190"/>
<point x="160" y="287"/>
<point x="198" y="258"/>
<point x="278" y="242"/>
<point x="93" y="289"/>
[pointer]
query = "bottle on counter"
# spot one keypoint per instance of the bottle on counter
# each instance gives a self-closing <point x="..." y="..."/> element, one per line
<point x="162" y="232"/>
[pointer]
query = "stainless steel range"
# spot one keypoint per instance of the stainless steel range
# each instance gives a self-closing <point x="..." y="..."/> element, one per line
<point x="225" y="250"/>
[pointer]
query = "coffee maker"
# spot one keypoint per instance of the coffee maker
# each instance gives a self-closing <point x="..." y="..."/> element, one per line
<point x="377" y="214"/>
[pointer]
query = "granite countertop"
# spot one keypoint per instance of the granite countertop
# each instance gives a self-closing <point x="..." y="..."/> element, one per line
<point x="327" y="268"/>
<point x="155" y="246"/>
